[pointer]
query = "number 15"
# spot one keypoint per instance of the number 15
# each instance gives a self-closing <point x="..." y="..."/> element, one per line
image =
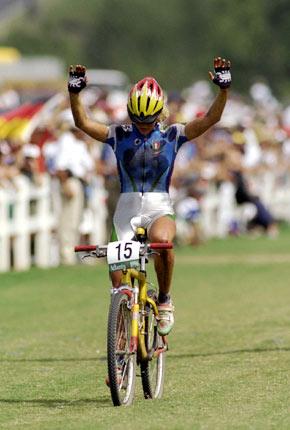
<point x="127" y="251"/>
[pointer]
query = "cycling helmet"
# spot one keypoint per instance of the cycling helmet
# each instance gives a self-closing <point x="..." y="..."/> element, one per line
<point x="145" y="101"/>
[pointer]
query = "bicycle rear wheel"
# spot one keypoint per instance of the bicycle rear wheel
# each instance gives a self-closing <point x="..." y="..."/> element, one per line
<point x="152" y="371"/>
<point x="121" y="364"/>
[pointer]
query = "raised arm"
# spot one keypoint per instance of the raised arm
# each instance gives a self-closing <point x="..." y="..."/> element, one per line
<point x="222" y="78"/>
<point x="77" y="82"/>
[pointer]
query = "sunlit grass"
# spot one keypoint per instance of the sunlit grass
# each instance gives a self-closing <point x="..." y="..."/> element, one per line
<point x="229" y="359"/>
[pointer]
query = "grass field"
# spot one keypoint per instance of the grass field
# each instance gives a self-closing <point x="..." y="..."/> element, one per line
<point x="229" y="361"/>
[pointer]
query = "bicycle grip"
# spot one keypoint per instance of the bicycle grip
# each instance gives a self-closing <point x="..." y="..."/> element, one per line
<point x="161" y="245"/>
<point x="84" y="248"/>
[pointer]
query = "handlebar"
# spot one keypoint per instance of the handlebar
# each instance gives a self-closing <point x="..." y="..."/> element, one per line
<point x="101" y="251"/>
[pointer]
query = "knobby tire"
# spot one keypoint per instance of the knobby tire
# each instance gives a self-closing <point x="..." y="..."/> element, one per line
<point x="121" y="364"/>
<point x="152" y="371"/>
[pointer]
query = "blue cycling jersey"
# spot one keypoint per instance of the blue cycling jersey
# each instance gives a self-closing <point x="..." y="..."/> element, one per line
<point x="145" y="163"/>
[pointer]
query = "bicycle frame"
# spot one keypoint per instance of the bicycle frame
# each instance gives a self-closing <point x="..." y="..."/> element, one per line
<point x="139" y="300"/>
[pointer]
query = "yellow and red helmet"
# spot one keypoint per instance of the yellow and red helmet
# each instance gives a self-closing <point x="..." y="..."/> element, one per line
<point x="145" y="101"/>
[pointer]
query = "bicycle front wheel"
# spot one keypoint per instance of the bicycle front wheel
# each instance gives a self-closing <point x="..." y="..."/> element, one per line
<point x="121" y="363"/>
<point x="152" y="371"/>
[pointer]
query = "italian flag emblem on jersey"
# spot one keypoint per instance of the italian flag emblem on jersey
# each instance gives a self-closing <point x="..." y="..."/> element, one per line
<point x="156" y="146"/>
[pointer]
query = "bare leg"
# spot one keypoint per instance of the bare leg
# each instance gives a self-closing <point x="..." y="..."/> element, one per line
<point x="163" y="230"/>
<point x="116" y="278"/>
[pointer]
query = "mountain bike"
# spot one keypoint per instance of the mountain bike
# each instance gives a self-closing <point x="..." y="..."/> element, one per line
<point x="132" y="336"/>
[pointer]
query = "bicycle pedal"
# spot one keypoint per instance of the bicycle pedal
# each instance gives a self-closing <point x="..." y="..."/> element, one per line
<point x="165" y="342"/>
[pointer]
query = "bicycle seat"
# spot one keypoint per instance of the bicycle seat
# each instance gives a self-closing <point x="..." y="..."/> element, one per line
<point x="140" y="232"/>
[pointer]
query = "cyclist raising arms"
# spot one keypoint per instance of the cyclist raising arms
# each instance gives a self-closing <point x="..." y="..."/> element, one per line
<point x="145" y="156"/>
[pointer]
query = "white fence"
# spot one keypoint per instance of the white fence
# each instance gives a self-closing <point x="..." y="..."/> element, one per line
<point x="28" y="211"/>
<point x="25" y="210"/>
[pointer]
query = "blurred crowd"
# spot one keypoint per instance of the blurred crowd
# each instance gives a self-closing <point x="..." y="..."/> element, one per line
<point x="253" y="137"/>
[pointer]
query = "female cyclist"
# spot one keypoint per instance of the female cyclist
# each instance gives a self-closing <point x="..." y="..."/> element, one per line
<point x="145" y="154"/>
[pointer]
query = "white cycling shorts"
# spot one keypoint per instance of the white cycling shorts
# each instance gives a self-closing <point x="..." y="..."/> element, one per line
<point x="139" y="210"/>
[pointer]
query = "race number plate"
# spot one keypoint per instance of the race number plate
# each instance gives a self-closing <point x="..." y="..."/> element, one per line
<point x="123" y="255"/>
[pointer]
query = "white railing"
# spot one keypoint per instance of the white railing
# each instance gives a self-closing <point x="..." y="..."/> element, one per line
<point x="27" y="211"/>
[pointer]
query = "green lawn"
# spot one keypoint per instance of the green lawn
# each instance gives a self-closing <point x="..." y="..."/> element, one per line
<point x="229" y="361"/>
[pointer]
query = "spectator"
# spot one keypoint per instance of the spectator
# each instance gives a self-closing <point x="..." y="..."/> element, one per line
<point x="234" y="171"/>
<point x="73" y="165"/>
<point x="107" y="167"/>
<point x="29" y="164"/>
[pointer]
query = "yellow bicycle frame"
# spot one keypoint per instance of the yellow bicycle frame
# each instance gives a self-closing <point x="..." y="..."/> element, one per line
<point x="140" y="299"/>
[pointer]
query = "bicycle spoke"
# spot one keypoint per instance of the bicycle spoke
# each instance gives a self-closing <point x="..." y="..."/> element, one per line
<point x="123" y="376"/>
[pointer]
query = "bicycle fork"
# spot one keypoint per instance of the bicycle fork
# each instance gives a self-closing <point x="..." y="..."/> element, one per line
<point x="140" y="298"/>
<point x="133" y="292"/>
<point x="138" y="340"/>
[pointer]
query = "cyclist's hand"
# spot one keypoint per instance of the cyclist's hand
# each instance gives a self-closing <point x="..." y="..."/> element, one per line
<point x="222" y="74"/>
<point x="77" y="79"/>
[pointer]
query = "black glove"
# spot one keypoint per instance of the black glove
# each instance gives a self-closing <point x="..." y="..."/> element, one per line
<point x="222" y="76"/>
<point x="77" y="79"/>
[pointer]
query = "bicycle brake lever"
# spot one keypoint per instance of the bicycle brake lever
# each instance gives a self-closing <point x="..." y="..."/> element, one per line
<point x="91" y="254"/>
<point x="100" y="252"/>
<point x="151" y="252"/>
<point x="147" y="252"/>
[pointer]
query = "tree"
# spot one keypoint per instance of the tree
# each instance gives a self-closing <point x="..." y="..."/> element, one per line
<point x="174" y="40"/>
